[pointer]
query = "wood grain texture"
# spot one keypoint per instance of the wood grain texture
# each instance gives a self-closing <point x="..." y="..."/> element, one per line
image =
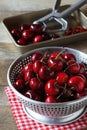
<point x="7" y="121"/>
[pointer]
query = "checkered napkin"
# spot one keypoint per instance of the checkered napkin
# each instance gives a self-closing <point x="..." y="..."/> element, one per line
<point x="25" y="123"/>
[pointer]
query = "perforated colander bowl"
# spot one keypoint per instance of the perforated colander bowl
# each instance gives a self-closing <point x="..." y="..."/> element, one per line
<point x="48" y="113"/>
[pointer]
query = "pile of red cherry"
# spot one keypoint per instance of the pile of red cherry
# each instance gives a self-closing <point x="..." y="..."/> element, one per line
<point x="52" y="77"/>
<point x="27" y="34"/>
<point x="77" y="29"/>
<point x="33" y="33"/>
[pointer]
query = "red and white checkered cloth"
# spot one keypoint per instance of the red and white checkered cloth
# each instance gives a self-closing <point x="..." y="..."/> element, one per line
<point x="25" y="123"/>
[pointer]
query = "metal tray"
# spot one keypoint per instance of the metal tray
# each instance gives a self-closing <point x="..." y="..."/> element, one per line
<point x="15" y="21"/>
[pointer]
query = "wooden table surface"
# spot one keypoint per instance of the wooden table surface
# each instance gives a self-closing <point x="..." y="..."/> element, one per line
<point x="7" y="54"/>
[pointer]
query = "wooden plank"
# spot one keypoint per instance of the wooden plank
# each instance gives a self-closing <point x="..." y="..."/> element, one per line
<point x="3" y="97"/>
<point x="4" y="65"/>
<point x="7" y="121"/>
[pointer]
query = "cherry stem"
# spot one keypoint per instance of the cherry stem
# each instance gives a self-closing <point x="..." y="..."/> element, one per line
<point x="69" y="66"/>
<point x="59" y="54"/>
<point x="26" y="82"/>
<point x="37" y="77"/>
<point x="62" y="92"/>
<point x="45" y="55"/>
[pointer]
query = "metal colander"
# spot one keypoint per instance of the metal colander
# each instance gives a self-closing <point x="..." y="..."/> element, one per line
<point x="53" y="113"/>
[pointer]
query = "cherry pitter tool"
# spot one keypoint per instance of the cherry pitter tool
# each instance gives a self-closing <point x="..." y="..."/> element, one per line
<point x="56" y="17"/>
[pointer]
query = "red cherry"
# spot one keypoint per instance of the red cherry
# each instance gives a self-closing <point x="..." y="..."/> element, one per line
<point x="56" y="55"/>
<point x="52" y="74"/>
<point x="27" y="35"/>
<point x="36" y="28"/>
<point x="33" y="95"/>
<point x="76" y="30"/>
<point x="16" y="33"/>
<point x="52" y="88"/>
<point x="70" y="62"/>
<point x="45" y="36"/>
<point x="62" y="78"/>
<point x="50" y="99"/>
<point x="36" y="56"/>
<point x="28" y="67"/>
<point x="24" y="26"/>
<point x="77" y="83"/>
<point x="55" y="64"/>
<point x="21" y="41"/>
<point x="83" y="76"/>
<point x="83" y="29"/>
<point x="36" y="83"/>
<point x="73" y="68"/>
<point x="44" y="73"/>
<point x="19" y="76"/>
<point x="79" y="95"/>
<point x="19" y="84"/>
<point x="28" y="75"/>
<point x="38" y="38"/>
<point x="36" y="66"/>
<point x="69" y="32"/>
<point x="69" y="56"/>
<point x="82" y="68"/>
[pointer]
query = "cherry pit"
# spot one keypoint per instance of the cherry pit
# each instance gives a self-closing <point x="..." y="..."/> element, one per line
<point x="52" y="77"/>
<point x="27" y="34"/>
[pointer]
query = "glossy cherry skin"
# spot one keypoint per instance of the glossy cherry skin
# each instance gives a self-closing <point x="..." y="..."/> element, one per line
<point x="36" y="28"/>
<point x="56" y="55"/>
<point x="62" y="78"/>
<point x="19" y="84"/>
<point x="36" y="66"/>
<point x="21" y="41"/>
<point x="37" y="38"/>
<point x="70" y="62"/>
<point x="27" y="35"/>
<point x="16" y="33"/>
<point x="33" y="95"/>
<point x="79" y="95"/>
<point x="36" y="56"/>
<point x="44" y="73"/>
<point x="82" y="68"/>
<point x="28" y="75"/>
<point x="24" y="26"/>
<point x="36" y="83"/>
<point x="45" y="36"/>
<point x="52" y="88"/>
<point x="50" y="99"/>
<point x="55" y="64"/>
<point x="28" y="67"/>
<point x="69" y="56"/>
<point x="69" y="32"/>
<point x="77" y="83"/>
<point x="73" y="68"/>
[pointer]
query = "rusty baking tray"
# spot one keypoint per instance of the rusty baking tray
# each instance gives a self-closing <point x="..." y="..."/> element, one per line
<point x="15" y="21"/>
